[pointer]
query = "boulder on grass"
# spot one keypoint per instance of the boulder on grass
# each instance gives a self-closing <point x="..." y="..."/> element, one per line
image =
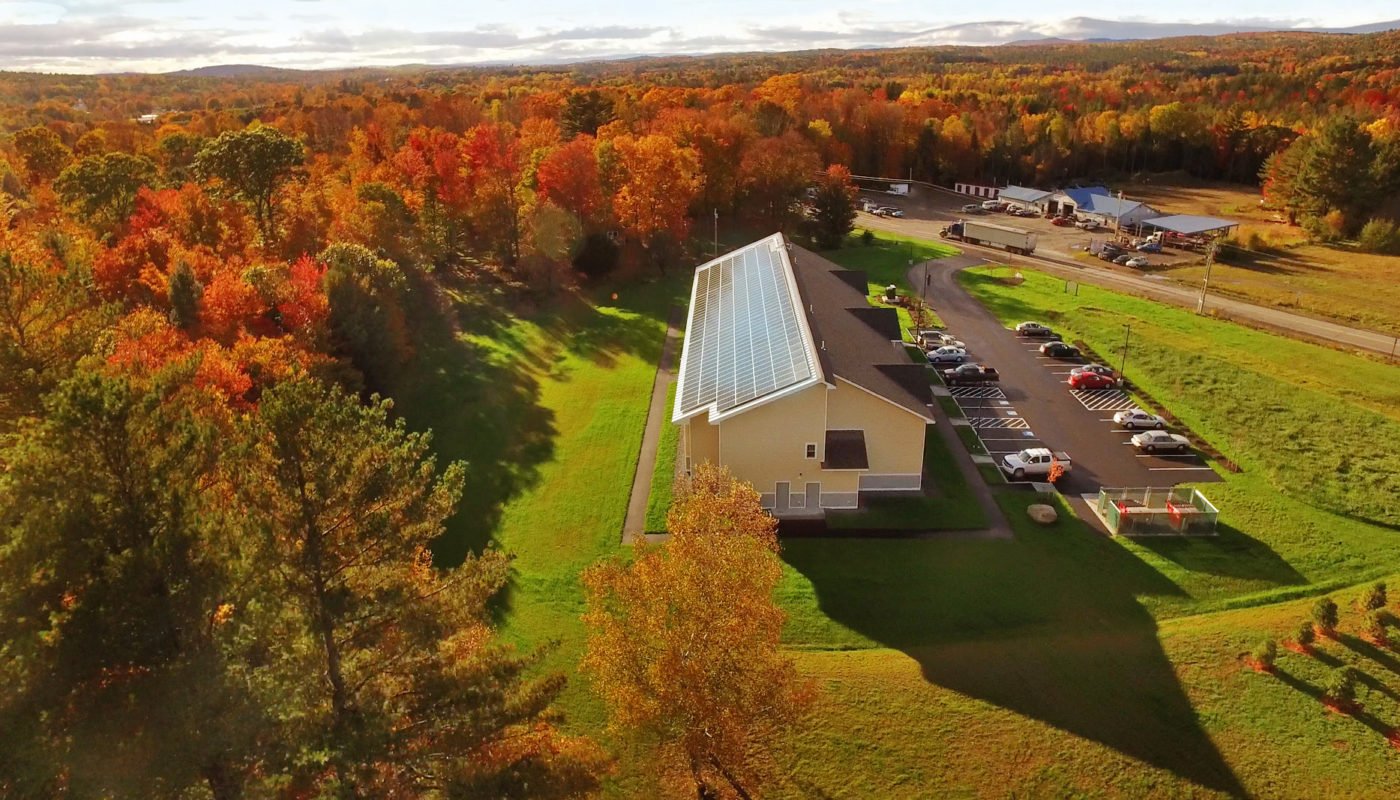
<point x="1043" y="514"/>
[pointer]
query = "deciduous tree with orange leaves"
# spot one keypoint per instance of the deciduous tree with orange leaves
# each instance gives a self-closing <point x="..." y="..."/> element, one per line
<point x="684" y="641"/>
<point x="659" y="180"/>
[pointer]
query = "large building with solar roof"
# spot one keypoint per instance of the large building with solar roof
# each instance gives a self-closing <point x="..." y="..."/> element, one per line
<point x="796" y="384"/>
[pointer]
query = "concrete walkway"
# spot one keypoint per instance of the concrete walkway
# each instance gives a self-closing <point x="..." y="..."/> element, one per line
<point x="657" y="415"/>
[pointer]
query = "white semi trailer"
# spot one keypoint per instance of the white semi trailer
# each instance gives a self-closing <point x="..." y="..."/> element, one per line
<point x="1013" y="239"/>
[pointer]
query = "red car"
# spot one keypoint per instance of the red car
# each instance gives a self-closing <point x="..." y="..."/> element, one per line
<point x="1062" y="222"/>
<point x="1091" y="380"/>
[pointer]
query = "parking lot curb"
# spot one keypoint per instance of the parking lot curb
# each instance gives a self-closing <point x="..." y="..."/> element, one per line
<point x="976" y="459"/>
<point x="940" y="391"/>
<point x="963" y="421"/>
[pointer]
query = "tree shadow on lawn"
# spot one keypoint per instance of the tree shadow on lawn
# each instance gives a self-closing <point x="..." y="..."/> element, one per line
<point x="1047" y="625"/>
<point x="1231" y="553"/>
<point x="1361" y="715"/>
<point x="482" y="408"/>
<point x="1369" y="651"/>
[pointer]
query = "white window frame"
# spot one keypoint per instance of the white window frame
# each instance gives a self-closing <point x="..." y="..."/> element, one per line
<point x="811" y="450"/>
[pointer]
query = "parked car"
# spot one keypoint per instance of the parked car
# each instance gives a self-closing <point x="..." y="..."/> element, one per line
<point x="1035" y="462"/>
<point x="973" y="208"/>
<point x="1123" y="259"/>
<point x="946" y="354"/>
<point x="1059" y="350"/>
<point x="932" y="340"/>
<point x="1091" y="380"/>
<point x="1099" y="369"/>
<point x="1150" y="247"/>
<point x="888" y="211"/>
<point x="868" y="206"/>
<point x="1137" y="418"/>
<point x="1152" y="441"/>
<point x="1025" y="212"/>
<point x="1033" y="329"/>
<point x="1087" y="224"/>
<point x="1138" y="262"/>
<point x="970" y="373"/>
<point x="993" y="205"/>
<point x="1062" y="222"/>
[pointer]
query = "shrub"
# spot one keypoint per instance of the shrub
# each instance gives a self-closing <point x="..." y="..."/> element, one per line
<point x="1306" y="634"/>
<point x="1264" y="654"/>
<point x="1380" y="236"/>
<point x="1340" y="685"/>
<point x="1376" y="621"/>
<point x="1374" y="597"/>
<point x="1324" y="615"/>
<point x="867" y="237"/>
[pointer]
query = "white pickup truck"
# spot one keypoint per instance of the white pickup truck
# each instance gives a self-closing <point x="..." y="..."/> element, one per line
<point x="1036" y="463"/>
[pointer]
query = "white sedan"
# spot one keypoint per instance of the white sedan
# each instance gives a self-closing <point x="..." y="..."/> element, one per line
<point x="947" y="355"/>
<point x="1152" y="441"/>
<point x="1138" y="262"/>
<point x="1137" y="418"/>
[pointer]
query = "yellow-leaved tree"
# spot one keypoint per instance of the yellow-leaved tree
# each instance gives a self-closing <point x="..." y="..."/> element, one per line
<point x="684" y="641"/>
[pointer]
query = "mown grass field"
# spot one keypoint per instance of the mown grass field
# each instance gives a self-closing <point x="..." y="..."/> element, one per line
<point x="1335" y="281"/>
<point x="1316" y="431"/>
<point x="1061" y="663"/>
<point x="663" y="476"/>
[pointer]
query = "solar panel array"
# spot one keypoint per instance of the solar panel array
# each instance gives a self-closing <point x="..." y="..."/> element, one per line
<point x="745" y="339"/>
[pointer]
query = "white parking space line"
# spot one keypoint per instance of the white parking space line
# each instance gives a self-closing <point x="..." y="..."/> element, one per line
<point x="1178" y="469"/>
<point x="1167" y="455"/>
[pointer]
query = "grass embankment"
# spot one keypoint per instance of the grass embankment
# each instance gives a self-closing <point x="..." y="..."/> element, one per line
<point x="547" y="411"/>
<point x="663" y="475"/>
<point x="885" y="260"/>
<point x="948" y="506"/>
<point x="1336" y="281"/>
<point x="1316" y="431"/>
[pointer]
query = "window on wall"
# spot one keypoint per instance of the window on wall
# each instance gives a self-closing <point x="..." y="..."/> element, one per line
<point x="811" y="451"/>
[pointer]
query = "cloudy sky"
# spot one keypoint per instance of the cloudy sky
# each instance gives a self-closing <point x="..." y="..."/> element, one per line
<point x="160" y="35"/>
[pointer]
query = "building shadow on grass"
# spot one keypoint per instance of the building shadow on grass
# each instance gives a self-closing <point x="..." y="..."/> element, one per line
<point x="1048" y="626"/>
<point x="1230" y="553"/>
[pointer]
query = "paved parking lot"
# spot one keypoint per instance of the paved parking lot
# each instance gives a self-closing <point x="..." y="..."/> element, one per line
<point x="1033" y="406"/>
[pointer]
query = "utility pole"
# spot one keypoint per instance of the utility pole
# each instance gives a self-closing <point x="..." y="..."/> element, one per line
<point x="716" y="233"/>
<point x="1118" y="218"/>
<point x="1205" y="287"/>
<point x="1123" y="366"/>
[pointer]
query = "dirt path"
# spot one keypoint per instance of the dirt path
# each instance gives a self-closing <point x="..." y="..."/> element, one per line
<point x="657" y="415"/>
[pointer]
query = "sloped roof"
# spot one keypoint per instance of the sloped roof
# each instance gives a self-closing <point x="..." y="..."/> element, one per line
<point x="747" y="337"/>
<point x="1021" y="194"/>
<point x="851" y="347"/>
<point x="1189" y="224"/>
<point x="1109" y="206"/>
<point x="1080" y="195"/>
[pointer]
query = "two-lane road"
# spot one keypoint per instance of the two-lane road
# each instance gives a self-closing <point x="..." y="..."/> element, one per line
<point x="1155" y="288"/>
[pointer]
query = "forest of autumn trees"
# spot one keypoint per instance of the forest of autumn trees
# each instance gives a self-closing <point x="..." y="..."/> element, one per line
<point x="200" y="320"/>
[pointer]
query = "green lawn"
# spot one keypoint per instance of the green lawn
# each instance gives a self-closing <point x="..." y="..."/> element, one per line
<point x="946" y="507"/>
<point x="663" y="476"/>
<point x="1060" y="663"/>
<point x="1317" y="432"/>
<point x="886" y="261"/>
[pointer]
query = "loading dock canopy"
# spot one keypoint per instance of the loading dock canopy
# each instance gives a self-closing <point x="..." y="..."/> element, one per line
<point x="1190" y="225"/>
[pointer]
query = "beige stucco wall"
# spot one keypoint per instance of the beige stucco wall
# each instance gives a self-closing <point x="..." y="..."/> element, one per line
<point x="702" y="440"/>
<point x="768" y="444"/>
<point x="894" y="438"/>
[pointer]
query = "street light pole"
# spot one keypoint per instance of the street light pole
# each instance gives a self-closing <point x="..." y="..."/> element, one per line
<point x="716" y="233"/>
<point x="1123" y="365"/>
<point x="1205" y="287"/>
